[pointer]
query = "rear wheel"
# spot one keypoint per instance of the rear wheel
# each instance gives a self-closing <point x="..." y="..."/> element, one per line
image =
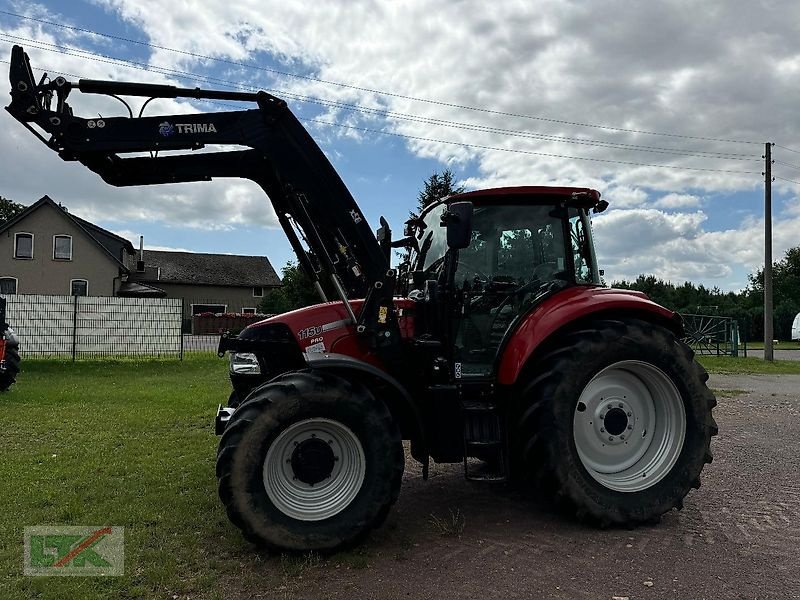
<point x="12" y="360"/>
<point x="309" y="461"/>
<point x="615" y="423"/>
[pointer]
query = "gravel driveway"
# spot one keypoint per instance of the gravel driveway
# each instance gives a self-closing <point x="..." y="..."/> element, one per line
<point x="737" y="537"/>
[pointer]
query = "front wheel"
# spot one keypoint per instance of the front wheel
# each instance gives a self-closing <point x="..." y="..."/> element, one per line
<point x="615" y="423"/>
<point x="309" y="461"/>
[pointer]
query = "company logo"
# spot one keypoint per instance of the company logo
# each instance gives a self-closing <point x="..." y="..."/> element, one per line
<point x="167" y="129"/>
<point x="74" y="551"/>
<point x="196" y="128"/>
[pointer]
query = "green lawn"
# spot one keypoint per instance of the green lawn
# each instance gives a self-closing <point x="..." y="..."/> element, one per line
<point x="728" y="364"/>
<point x="121" y="443"/>
<point x="778" y="346"/>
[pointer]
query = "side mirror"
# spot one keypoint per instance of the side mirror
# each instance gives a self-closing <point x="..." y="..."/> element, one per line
<point x="458" y="220"/>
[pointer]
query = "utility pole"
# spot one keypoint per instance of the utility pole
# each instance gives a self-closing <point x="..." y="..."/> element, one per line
<point x="768" y="351"/>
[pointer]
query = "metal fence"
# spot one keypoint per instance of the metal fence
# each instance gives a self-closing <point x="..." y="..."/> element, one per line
<point x="96" y="326"/>
<point x="712" y="335"/>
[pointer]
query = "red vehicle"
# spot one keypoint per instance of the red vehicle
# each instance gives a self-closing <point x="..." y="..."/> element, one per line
<point x="496" y="342"/>
<point x="9" y="352"/>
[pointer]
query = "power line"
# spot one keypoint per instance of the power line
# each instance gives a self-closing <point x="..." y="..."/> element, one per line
<point x="371" y="90"/>
<point x="784" y="179"/>
<point x="45" y="46"/>
<point x="789" y="149"/>
<point x="515" y="150"/>
<point x="484" y="147"/>
<point x="790" y="165"/>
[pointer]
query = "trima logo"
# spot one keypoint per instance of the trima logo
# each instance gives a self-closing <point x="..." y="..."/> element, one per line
<point x="196" y="128"/>
<point x="167" y="129"/>
<point x="74" y="551"/>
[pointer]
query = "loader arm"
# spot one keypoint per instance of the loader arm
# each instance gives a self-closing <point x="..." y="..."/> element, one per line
<point x="310" y="199"/>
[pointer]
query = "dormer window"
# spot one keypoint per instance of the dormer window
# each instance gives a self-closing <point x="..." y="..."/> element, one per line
<point x="62" y="247"/>
<point x="23" y="245"/>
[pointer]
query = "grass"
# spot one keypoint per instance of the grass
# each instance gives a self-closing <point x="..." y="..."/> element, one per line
<point x="451" y="525"/>
<point x="778" y="346"/>
<point x="125" y="443"/>
<point x="750" y="365"/>
<point x="728" y="393"/>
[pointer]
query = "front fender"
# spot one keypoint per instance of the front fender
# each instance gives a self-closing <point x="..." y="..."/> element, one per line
<point x="568" y="307"/>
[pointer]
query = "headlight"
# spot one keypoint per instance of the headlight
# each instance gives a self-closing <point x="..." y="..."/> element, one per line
<point x="244" y="363"/>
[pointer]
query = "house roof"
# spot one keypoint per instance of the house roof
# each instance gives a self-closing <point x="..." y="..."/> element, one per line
<point x="133" y="289"/>
<point x="196" y="268"/>
<point x="110" y="243"/>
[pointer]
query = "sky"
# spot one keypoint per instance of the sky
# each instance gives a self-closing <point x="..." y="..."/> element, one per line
<point x="663" y="107"/>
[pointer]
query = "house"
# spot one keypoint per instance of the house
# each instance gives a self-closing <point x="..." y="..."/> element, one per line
<point x="218" y="283"/>
<point x="48" y="250"/>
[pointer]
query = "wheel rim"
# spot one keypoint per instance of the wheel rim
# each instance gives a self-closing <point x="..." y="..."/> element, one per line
<point x="314" y="469"/>
<point x="629" y="426"/>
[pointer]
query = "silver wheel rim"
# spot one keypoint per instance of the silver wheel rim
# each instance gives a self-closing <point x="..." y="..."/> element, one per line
<point x="306" y="501"/>
<point x="629" y="426"/>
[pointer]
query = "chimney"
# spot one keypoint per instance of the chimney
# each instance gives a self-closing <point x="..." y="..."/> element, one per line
<point x="140" y="262"/>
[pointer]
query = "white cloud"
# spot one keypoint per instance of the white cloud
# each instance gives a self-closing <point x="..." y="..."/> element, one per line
<point x="678" y="201"/>
<point x="710" y="69"/>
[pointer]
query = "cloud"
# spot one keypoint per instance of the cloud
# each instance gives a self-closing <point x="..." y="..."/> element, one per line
<point x="695" y="70"/>
<point x="678" y="201"/>
<point x="133" y="237"/>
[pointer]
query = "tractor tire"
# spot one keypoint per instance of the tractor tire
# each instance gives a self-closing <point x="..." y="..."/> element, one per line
<point x="234" y="400"/>
<point x="615" y="423"/>
<point x="12" y="359"/>
<point x="310" y="461"/>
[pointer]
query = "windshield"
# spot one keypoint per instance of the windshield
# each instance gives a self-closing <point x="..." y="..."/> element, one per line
<point x="513" y="245"/>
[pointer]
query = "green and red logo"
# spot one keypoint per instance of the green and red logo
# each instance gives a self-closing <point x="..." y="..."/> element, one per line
<point x="75" y="551"/>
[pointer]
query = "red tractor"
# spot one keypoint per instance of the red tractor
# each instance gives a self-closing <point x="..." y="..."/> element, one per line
<point x="496" y="342"/>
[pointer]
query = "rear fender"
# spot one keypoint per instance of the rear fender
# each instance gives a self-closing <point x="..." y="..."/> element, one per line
<point x="566" y="310"/>
<point x="384" y="387"/>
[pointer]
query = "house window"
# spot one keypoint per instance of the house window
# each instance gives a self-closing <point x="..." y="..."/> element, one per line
<point x="208" y="308"/>
<point x="258" y="292"/>
<point x="248" y="311"/>
<point x="23" y="245"/>
<point x="62" y="247"/>
<point x="79" y="287"/>
<point x="8" y="285"/>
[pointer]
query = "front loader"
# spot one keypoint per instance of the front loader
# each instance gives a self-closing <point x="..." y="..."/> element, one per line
<point x="495" y="346"/>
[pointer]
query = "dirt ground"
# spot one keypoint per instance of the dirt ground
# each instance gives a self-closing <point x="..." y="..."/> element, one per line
<point x="737" y="537"/>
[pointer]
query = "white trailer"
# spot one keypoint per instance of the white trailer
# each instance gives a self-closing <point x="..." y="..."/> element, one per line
<point x="796" y="328"/>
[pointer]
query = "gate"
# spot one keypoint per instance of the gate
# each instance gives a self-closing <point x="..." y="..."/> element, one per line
<point x="712" y="335"/>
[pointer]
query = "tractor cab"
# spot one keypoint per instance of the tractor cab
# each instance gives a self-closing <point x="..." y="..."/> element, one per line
<point x="519" y="246"/>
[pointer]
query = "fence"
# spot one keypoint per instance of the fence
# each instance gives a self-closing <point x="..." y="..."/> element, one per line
<point x="88" y="326"/>
<point x="712" y="335"/>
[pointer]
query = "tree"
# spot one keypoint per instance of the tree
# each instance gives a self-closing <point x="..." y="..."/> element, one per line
<point x="297" y="291"/>
<point x="436" y="187"/>
<point x="9" y="209"/>
<point x="785" y="294"/>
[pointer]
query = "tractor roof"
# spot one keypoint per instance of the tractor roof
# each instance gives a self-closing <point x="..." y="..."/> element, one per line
<point x="533" y="194"/>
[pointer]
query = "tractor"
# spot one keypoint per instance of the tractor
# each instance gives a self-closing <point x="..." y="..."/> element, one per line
<point x="496" y="345"/>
